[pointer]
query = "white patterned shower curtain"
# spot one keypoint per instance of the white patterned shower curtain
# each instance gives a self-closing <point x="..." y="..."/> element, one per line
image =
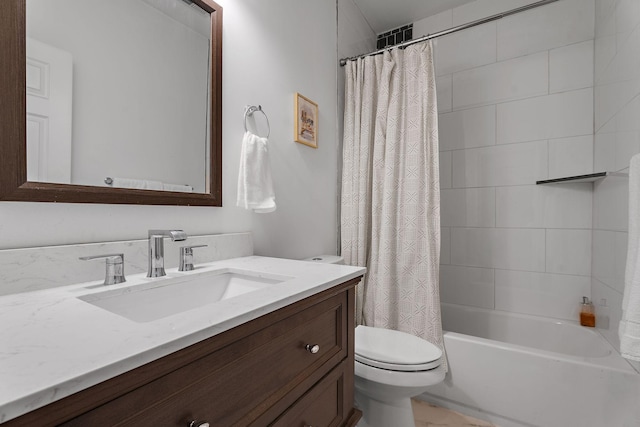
<point x="390" y="216"/>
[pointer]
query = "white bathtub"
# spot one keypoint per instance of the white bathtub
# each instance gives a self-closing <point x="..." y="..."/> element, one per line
<point x="517" y="370"/>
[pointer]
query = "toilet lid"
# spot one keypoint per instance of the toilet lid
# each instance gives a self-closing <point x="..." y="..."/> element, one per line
<point x="395" y="350"/>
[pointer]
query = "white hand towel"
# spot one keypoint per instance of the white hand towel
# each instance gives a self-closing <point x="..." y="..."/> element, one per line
<point x="630" y="322"/>
<point x="127" y="183"/>
<point x="177" y="187"/>
<point x="141" y="184"/>
<point x="153" y="185"/>
<point x="255" y="186"/>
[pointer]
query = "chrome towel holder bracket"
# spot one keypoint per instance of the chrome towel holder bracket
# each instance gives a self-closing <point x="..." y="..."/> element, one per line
<point x="249" y="110"/>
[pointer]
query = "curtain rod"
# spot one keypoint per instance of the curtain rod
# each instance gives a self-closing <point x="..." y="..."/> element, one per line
<point x="495" y="17"/>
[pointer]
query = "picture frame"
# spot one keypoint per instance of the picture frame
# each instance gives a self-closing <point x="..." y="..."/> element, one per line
<point x="305" y="121"/>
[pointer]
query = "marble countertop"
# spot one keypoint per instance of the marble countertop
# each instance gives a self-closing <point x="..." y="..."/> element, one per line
<point x="53" y="344"/>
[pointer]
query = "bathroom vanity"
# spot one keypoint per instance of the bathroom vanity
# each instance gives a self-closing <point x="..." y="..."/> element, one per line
<point x="280" y="355"/>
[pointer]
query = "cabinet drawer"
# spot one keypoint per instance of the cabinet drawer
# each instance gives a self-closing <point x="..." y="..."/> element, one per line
<point x="322" y="406"/>
<point x="237" y="383"/>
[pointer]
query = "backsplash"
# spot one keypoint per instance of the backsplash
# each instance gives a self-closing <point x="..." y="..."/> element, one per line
<point x="32" y="269"/>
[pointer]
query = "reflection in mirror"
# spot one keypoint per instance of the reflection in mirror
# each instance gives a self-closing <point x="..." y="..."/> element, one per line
<point x="104" y="102"/>
<point x="117" y="93"/>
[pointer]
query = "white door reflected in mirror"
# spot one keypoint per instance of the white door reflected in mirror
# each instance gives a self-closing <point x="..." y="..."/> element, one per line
<point x="49" y="113"/>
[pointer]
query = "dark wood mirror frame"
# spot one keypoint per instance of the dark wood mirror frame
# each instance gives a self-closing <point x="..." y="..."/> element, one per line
<point x="13" y="146"/>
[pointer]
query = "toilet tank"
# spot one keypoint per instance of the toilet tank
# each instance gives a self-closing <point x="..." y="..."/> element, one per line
<point x="327" y="259"/>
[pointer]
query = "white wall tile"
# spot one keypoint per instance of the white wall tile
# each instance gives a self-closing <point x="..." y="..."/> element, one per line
<point x="471" y="207"/>
<point x="625" y="142"/>
<point x="445" y="169"/>
<point x="517" y="78"/>
<point x="604" y="155"/>
<point x="603" y="264"/>
<point x="605" y="51"/>
<point x="627" y="145"/>
<point x="625" y="65"/>
<point x="613" y="150"/>
<point x="609" y="258"/>
<point x="553" y="116"/>
<point x="555" y="25"/>
<point x="570" y="156"/>
<point x="445" y="245"/>
<point x="544" y="206"/>
<point x="611" y="98"/>
<point x="475" y="127"/>
<point x="511" y="164"/>
<point x="541" y="294"/>
<point x="444" y="93"/>
<point x="607" y="317"/>
<point x="626" y="58"/>
<point x="506" y="248"/>
<point x="610" y="127"/>
<point x="356" y="36"/>
<point x="467" y="285"/>
<point x="627" y="117"/>
<point x="483" y="8"/>
<point x="466" y="49"/>
<point x="605" y="17"/>
<point x="571" y="67"/>
<point x="433" y="24"/>
<point x="611" y="204"/>
<point x="627" y="15"/>
<point x="568" y="252"/>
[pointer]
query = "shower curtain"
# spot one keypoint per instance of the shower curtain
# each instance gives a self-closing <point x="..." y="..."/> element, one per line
<point x="390" y="213"/>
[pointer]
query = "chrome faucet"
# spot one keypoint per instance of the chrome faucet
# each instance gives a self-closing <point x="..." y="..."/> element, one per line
<point x="156" y="249"/>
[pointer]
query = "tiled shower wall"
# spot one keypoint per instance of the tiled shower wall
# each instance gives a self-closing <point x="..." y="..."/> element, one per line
<point x="617" y="139"/>
<point x="516" y="105"/>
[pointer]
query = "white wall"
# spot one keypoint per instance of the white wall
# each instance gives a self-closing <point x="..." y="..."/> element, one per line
<point x="355" y="37"/>
<point x="516" y="105"/>
<point x="271" y="50"/>
<point x="617" y="139"/>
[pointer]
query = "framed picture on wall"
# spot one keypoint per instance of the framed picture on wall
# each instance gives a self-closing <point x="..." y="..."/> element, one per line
<point x="305" y="121"/>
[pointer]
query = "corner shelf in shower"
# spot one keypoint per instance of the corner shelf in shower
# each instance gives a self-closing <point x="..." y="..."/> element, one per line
<point x="591" y="177"/>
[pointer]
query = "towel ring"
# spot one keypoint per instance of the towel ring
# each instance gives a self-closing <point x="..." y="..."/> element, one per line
<point x="252" y="109"/>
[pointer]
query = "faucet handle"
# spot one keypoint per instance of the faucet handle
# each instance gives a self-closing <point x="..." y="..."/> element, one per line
<point x="186" y="257"/>
<point x="114" y="267"/>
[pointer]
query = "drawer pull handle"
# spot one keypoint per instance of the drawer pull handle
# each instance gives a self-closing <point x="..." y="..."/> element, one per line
<point x="312" y="348"/>
<point x="195" y="423"/>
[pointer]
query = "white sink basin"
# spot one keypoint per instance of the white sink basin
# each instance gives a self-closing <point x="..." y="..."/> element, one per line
<point x="159" y="298"/>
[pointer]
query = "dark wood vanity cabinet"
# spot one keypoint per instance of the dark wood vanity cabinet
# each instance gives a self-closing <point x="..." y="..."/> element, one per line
<point x="261" y="373"/>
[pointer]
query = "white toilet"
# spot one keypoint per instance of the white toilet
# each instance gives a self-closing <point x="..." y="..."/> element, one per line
<point x="391" y="367"/>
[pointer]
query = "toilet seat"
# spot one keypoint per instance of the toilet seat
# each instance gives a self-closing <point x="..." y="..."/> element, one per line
<point x="398" y="367"/>
<point x="394" y="350"/>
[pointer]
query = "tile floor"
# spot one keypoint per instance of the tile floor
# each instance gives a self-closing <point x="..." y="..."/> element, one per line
<point x="428" y="415"/>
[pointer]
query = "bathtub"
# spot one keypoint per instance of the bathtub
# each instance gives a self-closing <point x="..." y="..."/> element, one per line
<point x="518" y="370"/>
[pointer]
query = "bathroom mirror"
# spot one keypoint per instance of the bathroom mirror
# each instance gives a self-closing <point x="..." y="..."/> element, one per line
<point x="140" y="106"/>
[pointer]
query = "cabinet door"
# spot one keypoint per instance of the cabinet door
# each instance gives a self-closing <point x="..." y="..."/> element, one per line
<point x="319" y="407"/>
